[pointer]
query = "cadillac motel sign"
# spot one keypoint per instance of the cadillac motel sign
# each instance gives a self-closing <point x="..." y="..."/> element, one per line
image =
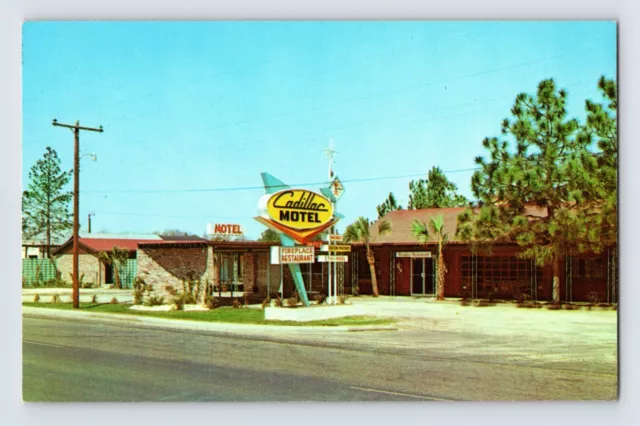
<point x="297" y="215"/>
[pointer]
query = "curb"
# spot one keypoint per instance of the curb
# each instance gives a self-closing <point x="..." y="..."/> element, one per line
<point x="223" y="327"/>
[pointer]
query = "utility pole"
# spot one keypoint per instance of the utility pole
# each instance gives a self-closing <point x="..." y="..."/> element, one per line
<point x="76" y="202"/>
<point x="89" y="222"/>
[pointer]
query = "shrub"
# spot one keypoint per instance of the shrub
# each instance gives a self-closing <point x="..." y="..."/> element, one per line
<point x="320" y="298"/>
<point x="155" y="301"/>
<point x="266" y="303"/>
<point x="94" y="299"/>
<point x="55" y="298"/>
<point x="570" y="307"/>
<point x="237" y="304"/>
<point x="293" y="300"/>
<point x="36" y="298"/>
<point x="114" y="301"/>
<point x="170" y="289"/>
<point x="355" y="290"/>
<point x="178" y="301"/>
<point x="342" y="299"/>
<point x="278" y="302"/>
<point x="465" y="302"/>
<point x="593" y="297"/>
<point x="554" y="306"/>
<point x="138" y="297"/>
<point x="211" y="302"/>
<point x="484" y="303"/>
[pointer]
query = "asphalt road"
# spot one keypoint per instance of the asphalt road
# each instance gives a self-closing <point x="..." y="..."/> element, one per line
<point x="79" y="360"/>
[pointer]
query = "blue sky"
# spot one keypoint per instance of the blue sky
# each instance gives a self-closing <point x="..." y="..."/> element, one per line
<point x="190" y="107"/>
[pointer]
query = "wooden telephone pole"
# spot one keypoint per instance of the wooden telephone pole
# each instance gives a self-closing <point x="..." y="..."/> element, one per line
<point x="76" y="202"/>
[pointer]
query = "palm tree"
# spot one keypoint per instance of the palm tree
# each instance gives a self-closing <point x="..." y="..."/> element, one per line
<point x="422" y="232"/>
<point x="116" y="257"/>
<point x="360" y="231"/>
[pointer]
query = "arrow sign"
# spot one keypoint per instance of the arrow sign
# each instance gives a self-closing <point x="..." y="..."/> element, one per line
<point x="333" y="258"/>
<point x="336" y="248"/>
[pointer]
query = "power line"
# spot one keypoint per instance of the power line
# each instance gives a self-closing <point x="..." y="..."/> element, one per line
<point x="261" y="187"/>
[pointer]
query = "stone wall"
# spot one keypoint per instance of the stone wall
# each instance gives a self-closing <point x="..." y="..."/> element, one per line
<point x="88" y="264"/>
<point x="162" y="266"/>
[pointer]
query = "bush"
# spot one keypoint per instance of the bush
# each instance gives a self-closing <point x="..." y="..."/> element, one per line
<point x="342" y="299"/>
<point x="94" y="299"/>
<point x="266" y="303"/>
<point x="55" y="298"/>
<point x="114" y="301"/>
<point x="211" y="302"/>
<point x="155" y="301"/>
<point x="355" y="290"/>
<point x="36" y="298"/>
<point x="178" y="301"/>
<point x="593" y="297"/>
<point x="320" y="298"/>
<point x="170" y="289"/>
<point x="553" y="306"/>
<point x="570" y="307"/>
<point x="237" y="304"/>
<point x="278" y="302"/>
<point x="484" y="303"/>
<point x="293" y="300"/>
<point x="465" y="302"/>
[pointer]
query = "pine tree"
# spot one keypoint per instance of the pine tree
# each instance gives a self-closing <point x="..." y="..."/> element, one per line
<point x="45" y="203"/>
<point x="544" y="163"/>
<point x="269" y="235"/>
<point x="389" y="205"/>
<point x="435" y="191"/>
<point x="601" y="128"/>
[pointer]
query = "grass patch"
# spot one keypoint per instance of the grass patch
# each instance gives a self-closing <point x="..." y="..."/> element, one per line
<point x="223" y="314"/>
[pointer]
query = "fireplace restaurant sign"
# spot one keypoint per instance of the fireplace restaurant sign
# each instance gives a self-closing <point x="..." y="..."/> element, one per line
<point x="299" y="209"/>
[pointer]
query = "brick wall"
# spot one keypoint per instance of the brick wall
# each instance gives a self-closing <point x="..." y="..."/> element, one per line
<point x="160" y="267"/>
<point x="87" y="264"/>
<point x="248" y="271"/>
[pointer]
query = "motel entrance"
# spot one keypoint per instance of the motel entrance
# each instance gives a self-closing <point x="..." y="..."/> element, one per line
<point x="423" y="277"/>
<point x="422" y="272"/>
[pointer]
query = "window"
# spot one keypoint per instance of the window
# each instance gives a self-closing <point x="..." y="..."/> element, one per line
<point x="589" y="268"/>
<point x="231" y="267"/>
<point x="498" y="274"/>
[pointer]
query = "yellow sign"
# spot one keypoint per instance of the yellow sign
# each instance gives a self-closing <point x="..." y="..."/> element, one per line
<point x="299" y="209"/>
<point x="337" y="248"/>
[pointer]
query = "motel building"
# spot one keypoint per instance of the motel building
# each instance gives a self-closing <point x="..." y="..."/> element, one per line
<point x="404" y="267"/>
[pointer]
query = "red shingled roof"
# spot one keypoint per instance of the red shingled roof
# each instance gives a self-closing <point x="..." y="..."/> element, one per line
<point x="104" y="244"/>
<point x="401" y="221"/>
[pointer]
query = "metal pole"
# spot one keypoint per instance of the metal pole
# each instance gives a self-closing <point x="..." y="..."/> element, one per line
<point x="281" y="282"/>
<point x="268" y="275"/>
<point x="335" y="278"/>
<point x="329" y="300"/>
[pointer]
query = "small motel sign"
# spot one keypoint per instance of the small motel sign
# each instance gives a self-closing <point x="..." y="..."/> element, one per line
<point x="334" y="238"/>
<point x="413" y="254"/>
<point x="333" y="258"/>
